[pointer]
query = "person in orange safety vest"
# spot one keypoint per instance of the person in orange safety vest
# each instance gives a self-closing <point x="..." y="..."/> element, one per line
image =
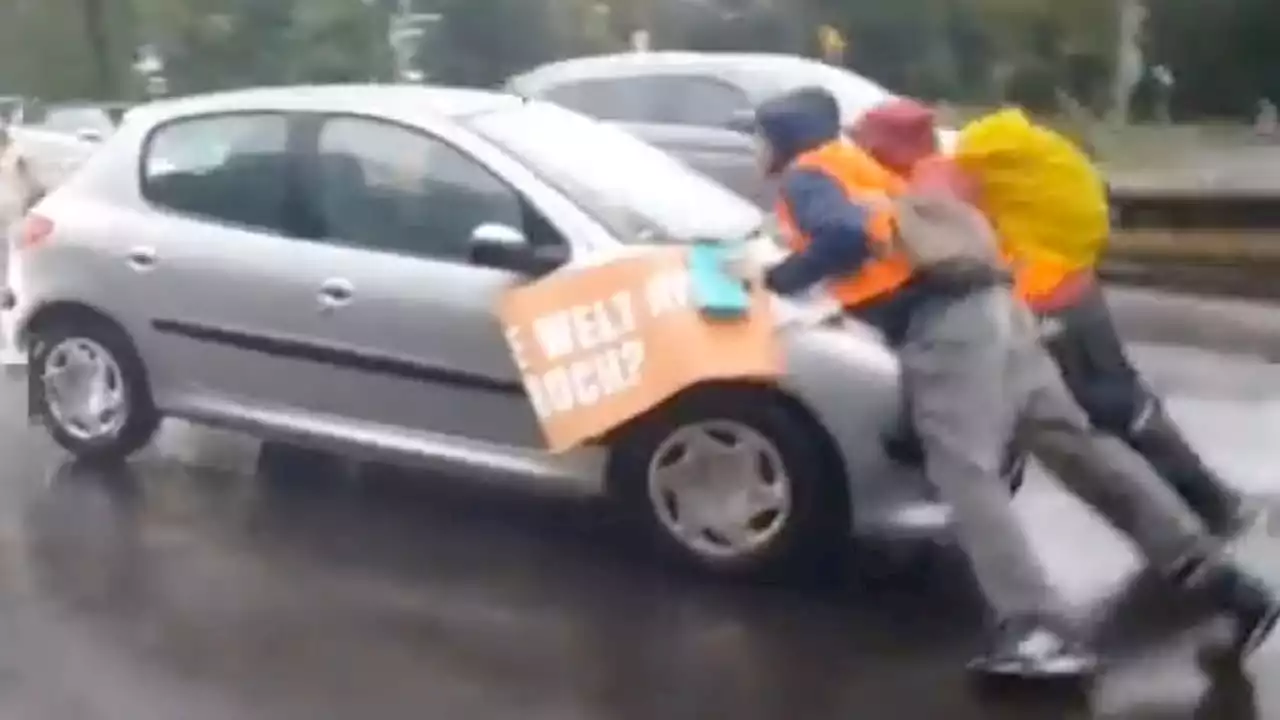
<point x="977" y="375"/>
<point x="1049" y="204"/>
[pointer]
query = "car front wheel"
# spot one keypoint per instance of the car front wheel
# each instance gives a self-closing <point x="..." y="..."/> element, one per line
<point x="90" y="389"/>
<point x="733" y="482"/>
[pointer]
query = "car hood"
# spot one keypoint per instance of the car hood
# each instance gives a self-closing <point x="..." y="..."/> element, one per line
<point x="814" y="312"/>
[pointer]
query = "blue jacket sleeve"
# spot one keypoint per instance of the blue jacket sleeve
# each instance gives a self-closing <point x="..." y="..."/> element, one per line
<point x="837" y="230"/>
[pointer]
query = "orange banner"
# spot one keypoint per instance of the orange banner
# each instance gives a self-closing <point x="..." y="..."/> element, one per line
<point x="599" y="346"/>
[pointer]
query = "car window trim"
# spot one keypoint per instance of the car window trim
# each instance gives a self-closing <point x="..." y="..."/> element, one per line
<point x="290" y="118"/>
<point x="311" y="124"/>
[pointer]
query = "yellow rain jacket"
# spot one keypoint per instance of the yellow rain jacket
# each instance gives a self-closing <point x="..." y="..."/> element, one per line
<point x="1043" y="195"/>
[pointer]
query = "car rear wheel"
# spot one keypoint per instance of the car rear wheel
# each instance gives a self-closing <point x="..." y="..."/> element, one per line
<point x="90" y="389"/>
<point x="731" y="481"/>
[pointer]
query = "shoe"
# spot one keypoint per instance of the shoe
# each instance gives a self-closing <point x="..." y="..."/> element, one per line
<point x="1033" y="649"/>
<point x="1237" y="523"/>
<point x="1252" y="608"/>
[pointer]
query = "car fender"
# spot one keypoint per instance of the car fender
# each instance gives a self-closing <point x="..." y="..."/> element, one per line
<point x="849" y="380"/>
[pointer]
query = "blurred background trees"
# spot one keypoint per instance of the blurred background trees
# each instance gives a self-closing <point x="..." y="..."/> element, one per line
<point x="1183" y="58"/>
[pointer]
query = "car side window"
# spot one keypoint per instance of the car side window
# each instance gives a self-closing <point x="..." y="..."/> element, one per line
<point x="620" y="99"/>
<point x="705" y="102"/>
<point x="231" y="168"/>
<point x="384" y="186"/>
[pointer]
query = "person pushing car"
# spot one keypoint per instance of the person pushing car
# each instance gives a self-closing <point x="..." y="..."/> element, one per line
<point x="925" y="269"/>
<point x="1051" y="211"/>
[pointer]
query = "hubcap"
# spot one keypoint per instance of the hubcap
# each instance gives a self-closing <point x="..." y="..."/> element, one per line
<point x="720" y="488"/>
<point x="84" y="389"/>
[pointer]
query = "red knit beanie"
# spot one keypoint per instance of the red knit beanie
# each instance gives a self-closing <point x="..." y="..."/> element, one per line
<point x="898" y="133"/>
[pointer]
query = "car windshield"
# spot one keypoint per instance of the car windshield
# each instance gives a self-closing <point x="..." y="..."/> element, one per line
<point x="640" y="192"/>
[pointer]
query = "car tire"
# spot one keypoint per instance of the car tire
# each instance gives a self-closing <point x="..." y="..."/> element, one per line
<point x="97" y="348"/>
<point x="789" y="464"/>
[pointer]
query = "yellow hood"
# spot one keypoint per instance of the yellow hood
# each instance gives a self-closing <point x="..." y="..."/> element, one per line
<point x="1004" y="132"/>
<point x="1045" y="198"/>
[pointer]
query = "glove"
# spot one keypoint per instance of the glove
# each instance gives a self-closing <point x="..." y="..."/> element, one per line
<point x="743" y="266"/>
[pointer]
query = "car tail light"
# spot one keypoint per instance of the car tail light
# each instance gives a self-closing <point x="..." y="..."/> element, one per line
<point x="35" y="230"/>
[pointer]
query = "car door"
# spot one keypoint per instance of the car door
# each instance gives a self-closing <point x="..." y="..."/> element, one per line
<point x="211" y="262"/>
<point x="402" y="318"/>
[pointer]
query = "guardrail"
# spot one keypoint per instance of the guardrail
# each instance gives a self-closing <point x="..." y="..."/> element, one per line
<point x="1209" y="242"/>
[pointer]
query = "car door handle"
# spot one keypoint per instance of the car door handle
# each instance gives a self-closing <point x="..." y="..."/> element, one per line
<point x="142" y="258"/>
<point x="336" y="292"/>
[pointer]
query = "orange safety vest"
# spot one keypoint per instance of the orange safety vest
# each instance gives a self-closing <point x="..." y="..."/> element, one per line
<point x="868" y="183"/>
<point x="1050" y="289"/>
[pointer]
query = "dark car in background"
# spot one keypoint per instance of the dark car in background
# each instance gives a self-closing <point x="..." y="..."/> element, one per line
<point x="83" y="119"/>
<point x="698" y="107"/>
<point x="711" y="90"/>
<point x="47" y="142"/>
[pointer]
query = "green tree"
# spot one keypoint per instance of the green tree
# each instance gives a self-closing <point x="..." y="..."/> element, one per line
<point x="1224" y="55"/>
<point x="336" y="41"/>
<point x="218" y="44"/>
<point x="65" y="49"/>
<point x="482" y="42"/>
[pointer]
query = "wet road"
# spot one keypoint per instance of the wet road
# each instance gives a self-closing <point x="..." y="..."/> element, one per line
<point x="261" y="590"/>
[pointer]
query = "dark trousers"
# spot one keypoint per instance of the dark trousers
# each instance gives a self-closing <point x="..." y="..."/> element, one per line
<point x="1083" y="340"/>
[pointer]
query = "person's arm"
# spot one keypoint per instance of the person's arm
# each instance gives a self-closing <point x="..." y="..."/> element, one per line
<point x="837" y="232"/>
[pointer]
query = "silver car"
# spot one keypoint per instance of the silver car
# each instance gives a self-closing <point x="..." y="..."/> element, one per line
<point x="320" y="266"/>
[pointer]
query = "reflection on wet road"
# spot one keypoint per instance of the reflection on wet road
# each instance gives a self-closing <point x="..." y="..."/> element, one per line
<point x="302" y="590"/>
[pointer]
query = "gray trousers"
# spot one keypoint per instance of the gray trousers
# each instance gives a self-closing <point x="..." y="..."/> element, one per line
<point x="979" y="377"/>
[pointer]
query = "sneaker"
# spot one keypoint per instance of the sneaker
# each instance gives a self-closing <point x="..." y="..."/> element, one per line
<point x="1238" y="523"/>
<point x="1030" y="648"/>
<point x="1254" y="612"/>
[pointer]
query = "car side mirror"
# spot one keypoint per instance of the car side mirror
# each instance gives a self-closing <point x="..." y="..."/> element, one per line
<point x="501" y="246"/>
<point x="743" y="121"/>
<point x="88" y="135"/>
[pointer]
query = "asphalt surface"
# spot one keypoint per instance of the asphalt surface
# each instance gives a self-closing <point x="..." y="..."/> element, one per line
<point x="208" y="581"/>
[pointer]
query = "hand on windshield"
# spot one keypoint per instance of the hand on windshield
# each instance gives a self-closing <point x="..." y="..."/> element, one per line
<point x="743" y="264"/>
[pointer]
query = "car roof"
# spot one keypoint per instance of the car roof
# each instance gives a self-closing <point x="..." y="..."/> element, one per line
<point x="725" y="65"/>
<point x="389" y="98"/>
